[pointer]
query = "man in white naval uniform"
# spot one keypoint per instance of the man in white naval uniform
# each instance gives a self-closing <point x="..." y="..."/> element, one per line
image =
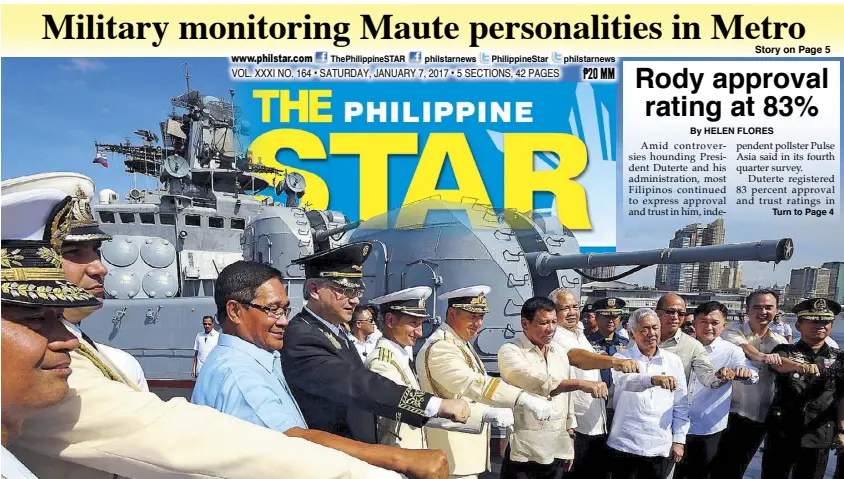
<point x="448" y="367"/>
<point x="401" y="316"/>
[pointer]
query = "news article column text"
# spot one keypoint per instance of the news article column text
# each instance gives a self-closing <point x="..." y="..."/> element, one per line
<point x="705" y="139"/>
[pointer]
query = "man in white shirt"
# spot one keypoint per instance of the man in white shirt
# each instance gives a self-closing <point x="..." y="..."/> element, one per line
<point x="534" y="363"/>
<point x="651" y="407"/>
<point x="782" y="328"/>
<point x="203" y="344"/>
<point x="710" y="408"/>
<point x="750" y="402"/>
<point x="363" y="331"/>
<point x="590" y="410"/>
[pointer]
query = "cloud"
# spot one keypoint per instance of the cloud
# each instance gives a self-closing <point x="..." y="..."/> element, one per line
<point x="85" y="64"/>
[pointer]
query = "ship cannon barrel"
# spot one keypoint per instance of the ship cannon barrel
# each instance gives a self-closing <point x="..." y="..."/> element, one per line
<point x="323" y="235"/>
<point x="762" y="251"/>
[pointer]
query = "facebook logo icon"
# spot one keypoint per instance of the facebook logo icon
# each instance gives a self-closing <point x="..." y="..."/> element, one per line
<point x="321" y="57"/>
<point x="415" y="57"/>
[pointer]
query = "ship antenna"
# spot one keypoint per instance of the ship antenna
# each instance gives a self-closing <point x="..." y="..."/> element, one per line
<point x="187" y="75"/>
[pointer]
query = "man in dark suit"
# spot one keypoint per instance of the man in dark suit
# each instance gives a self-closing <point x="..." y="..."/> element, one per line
<point x="334" y="390"/>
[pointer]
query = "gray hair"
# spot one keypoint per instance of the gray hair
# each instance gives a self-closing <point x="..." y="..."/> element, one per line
<point x="559" y="292"/>
<point x="637" y="316"/>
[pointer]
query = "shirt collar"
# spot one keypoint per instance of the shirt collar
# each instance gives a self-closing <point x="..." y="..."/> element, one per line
<point x="822" y="351"/>
<point x="383" y="341"/>
<point x="212" y="333"/>
<point x="597" y="336"/>
<point x="73" y="328"/>
<point x="636" y="353"/>
<point x="447" y="329"/>
<point x="263" y="357"/>
<point x="334" y="329"/>
<point x="523" y="341"/>
<point x="714" y="344"/>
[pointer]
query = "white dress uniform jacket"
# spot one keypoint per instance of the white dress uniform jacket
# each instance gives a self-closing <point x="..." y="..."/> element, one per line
<point x="448" y="367"/>
<point x="106" y="427"/>
<point x="393" y="362"/>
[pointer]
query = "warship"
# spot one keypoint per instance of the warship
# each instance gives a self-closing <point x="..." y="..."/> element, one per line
<point x="214" y="205"/>
<point x="170" y="242"/>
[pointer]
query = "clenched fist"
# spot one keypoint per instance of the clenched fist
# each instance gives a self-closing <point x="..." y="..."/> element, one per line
<point x="426" y="464"/>
<point x="541" y="408"/>
<point x="773" y="359"/>
<point x="808" y="368"/>
<point x="456" y="410"/>
<point x="598" y="389"/>
<point x="743" y="374"/>
<point x="626" y="366"/>
<point x="665" y="382"/>
<point x="725" y="373"/>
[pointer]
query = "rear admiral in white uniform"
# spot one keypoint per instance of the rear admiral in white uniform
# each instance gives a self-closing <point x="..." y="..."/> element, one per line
<point x="401" y="316"/>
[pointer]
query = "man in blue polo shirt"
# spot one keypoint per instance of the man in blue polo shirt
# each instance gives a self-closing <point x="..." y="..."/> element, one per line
<point x="242" y="376"/>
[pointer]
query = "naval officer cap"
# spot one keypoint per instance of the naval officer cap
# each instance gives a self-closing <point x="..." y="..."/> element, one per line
<point x="83" y="226"/>
<point x="588" y="308"/>
<point x="342" y="265"/>
<point x="34" y="222"/>
<point x="471" y="299"/>
<point x="817" y="309"/>
<point x="608" y="306"/>
<point x="410" y="301"/>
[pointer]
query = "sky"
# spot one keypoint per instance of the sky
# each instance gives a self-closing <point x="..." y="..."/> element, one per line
<point x="55" y="108"/>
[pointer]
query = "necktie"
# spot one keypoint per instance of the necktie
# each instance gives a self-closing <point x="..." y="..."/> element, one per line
<point x="88" y="338"/>
<point x="606" y="374"/>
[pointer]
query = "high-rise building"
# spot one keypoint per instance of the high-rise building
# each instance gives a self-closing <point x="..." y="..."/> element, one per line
<point x="836" y="280"/>
<point x="808" y="282"/>
<point x="731" y="276"/>
<point x="692" y="277"/>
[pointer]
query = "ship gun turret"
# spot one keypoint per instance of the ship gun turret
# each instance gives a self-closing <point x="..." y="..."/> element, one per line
<point x="323" y="235"/>
<point x="762" y="251"/>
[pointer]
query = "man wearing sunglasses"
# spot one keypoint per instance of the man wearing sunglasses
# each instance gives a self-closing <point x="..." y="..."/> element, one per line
<point x="804" y="420"/>
<point x="335" y="391"/>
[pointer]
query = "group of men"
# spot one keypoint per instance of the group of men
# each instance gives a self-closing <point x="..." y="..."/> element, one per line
<point x="731" y="390"/>
<point x="304" y="396"/>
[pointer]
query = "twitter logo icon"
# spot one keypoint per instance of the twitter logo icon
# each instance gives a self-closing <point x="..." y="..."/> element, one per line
<point x="557" y="57"/>
<point x="484" y="58"/>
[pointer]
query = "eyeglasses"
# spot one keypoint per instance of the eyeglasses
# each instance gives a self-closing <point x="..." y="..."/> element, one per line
<point x="673" y="312"/>
<point x="348" y="292"/>
<point x="274" y="312"/>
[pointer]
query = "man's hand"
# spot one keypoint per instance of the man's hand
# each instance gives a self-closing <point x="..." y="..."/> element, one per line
<point x="426" y="464"/>
<point x="677" y="451"/>
<point x="725" y="373"/>
<point x="598" y="389"/>
<point x="570" y="462"/>
<point x="773" y="359"/>
<point x="193" y="373"/>
<point x="626" y="365"/>
<point x="541" y="408"/>
<point x="499" y="417"/>
<point x="743" y="374"/>
<point x="665" y="382"/>
<point x="808" y="368"/>
<point x="456" y="410"/>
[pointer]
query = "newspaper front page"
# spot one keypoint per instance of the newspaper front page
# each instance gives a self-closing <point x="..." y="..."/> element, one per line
<point x="619" y="151"/>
